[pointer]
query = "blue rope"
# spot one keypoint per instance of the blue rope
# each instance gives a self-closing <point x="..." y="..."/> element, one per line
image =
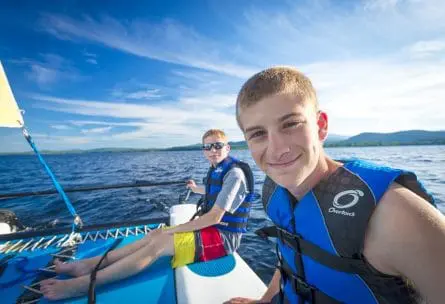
<point x="77" y="220"/>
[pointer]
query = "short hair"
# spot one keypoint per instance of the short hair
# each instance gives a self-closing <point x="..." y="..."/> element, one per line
<point x="275" y="81"/>
<point x="215" y="132"/>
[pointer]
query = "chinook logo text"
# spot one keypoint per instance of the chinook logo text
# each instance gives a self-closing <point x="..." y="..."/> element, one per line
<point x="355" y="194"/>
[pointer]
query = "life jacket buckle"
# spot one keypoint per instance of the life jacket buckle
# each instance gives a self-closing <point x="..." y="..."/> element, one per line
<point x="290" y="239"/>
<point x="261" y="234"/>
<point x="266" y="232"/>
<point x="302" y="288"/>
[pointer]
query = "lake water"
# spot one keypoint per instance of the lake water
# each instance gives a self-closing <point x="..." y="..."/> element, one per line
<point x="24" y="173"/>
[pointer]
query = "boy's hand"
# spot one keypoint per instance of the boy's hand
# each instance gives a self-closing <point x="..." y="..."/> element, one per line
<point x="191" y="185"/>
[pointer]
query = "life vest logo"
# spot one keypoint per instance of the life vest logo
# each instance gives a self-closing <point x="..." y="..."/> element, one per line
<point x="355" y="194"/>
<point x="218" y="170"/>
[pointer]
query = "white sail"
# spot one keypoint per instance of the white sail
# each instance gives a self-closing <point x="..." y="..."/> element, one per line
<point x="10" y="115"/>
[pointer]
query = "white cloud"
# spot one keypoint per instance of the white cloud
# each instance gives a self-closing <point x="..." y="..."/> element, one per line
<point x="50" y="69"/>
<point x="42" y="75"/>
<point x="88" y="54"/>
<point x="154" y="41"/>
<point x="380" y="96"/>
<point x="380" y="4"/>
<point x="377" y="66"/>
<point x="134" y="89"/>
<point x="47" y="140"/>
<point x="61" y="127"/>
<point x="96" y="130"/>
<point x="314" y="31"/>
<point x="212" y="101"/>
<point x="366" y="77"/>
<point x="186" y="120"/>
<point x="424" y="49"/>
<point x="144" y="94"/>
<point x="91" y="60"/>
<point x="138" y="94"/>
<point x="160" y="113"/>
<point x="104" y="123"/>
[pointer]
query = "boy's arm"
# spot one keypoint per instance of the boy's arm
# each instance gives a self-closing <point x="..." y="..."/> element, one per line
<point x="406" y="237"/>
<point x="191" y="184"/>
<point x="272" y="291"/>
<point x="230" y="197"/>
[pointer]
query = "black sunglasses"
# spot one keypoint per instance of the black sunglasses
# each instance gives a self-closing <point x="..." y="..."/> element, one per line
<point x="217" y="145"/>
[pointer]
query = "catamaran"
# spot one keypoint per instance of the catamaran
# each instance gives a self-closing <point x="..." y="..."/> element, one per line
<point x="27" y="256"/>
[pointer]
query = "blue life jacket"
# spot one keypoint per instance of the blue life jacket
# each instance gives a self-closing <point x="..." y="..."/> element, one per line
<point x="236" y="221"/>
<point x="321" y="237"/>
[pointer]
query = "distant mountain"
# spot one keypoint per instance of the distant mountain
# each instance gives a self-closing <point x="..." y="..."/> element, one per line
<point x="412" y="137"/>
<point x="184" y="148"/>
<point x="238" y="145"/>
<point x="335" y="138"/>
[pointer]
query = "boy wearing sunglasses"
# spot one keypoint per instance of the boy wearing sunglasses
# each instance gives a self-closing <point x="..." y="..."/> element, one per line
<point x="228" y="193"/>
<point x="217" y="232"/>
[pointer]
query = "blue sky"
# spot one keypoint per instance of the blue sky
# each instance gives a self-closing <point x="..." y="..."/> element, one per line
<point x="160" y="73"/>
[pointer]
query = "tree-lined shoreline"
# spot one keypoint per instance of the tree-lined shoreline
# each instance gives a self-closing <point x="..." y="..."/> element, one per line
<point x="402" y="138"/>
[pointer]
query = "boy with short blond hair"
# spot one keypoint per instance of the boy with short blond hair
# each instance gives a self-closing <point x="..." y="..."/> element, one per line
<point x="349" y="232"/>
<point x="216" y="133"/>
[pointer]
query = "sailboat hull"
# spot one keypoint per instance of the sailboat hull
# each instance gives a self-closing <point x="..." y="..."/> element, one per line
<point x="23" y="255"/>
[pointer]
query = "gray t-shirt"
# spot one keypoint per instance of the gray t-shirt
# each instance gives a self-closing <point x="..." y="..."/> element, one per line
<point x="233" y="191"/>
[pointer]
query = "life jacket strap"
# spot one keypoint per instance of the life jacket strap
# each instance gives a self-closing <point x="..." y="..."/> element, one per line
<point x="266" y="232"/>
<point x="295" y="241"/>
<point x="306" y="291"/>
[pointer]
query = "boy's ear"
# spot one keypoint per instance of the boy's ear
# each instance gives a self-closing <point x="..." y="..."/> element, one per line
<point x="322" y="122"/>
